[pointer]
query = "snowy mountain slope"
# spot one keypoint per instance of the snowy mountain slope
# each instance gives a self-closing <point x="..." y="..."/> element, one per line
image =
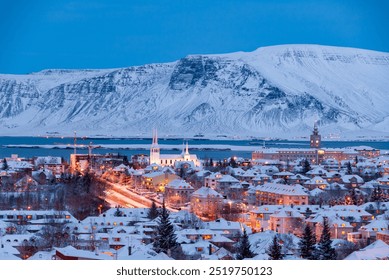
<point x="272" y="91"/>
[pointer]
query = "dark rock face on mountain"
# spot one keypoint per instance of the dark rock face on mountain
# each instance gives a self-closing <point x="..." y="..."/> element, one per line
<point x="272" y="91"/>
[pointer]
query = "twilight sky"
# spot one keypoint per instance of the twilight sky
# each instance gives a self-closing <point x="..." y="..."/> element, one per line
<point x="36" y="35"/>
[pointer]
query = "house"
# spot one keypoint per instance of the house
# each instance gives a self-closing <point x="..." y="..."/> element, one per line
<point x="384" y="236"/>
<point x="378" y="250"/>
<point x="224" y="184"/>
<point x="287" y="220"/>
<point x="156" y="181"/>
<point x="333" y="177"/>
<point x="206" y="203"/>
<point x="261" y="179"/>
<point x="338" y="227"/>
<point x="178" y="193"/>
<point x="194" y="250"/>
<point x="226" y="228"/>
<point x="212" y="179"/>
<point x="283" y="175"/>
<point x="272" y="193"/>
<point x="368" y="233"/>
<point x="297" y="179"/>
<point x="384" y="181"/>
<point x="316" y="182"/>
<point x="317" y="171"/>
<point x="352" y="181"/>
<point x="71" y="253"/>
<point x="55" y="164"/>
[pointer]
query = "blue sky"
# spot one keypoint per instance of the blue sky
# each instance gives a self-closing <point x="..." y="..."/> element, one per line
<point x="36" y="35"/>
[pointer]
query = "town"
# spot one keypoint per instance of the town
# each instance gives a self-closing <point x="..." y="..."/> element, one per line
<point x="282" y="203"/>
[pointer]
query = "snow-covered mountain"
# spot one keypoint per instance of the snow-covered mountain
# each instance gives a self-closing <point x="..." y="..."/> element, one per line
<point x="272" y="91"/>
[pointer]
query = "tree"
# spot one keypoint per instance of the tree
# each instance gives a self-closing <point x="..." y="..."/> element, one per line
<point x="243" y="249"/>
<point x="165" y="240"/>
<point x="5" y="164"/>
<point x="153" y="211"/>
<point x="324" y="248"/>
<point x="307" y="244"/>
<point x="233" y="163"/>
<point x="377" y="194"/>
<point x="352" y="198"/>
<point x="349" y="169"/>
<point x="274" y="250"/>
<point x="306" y="166"/>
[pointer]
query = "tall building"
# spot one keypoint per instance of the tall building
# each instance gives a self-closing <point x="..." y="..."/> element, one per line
<point x="315" y="137"/>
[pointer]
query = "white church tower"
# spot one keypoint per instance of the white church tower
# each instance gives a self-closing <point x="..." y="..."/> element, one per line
<point x="186" y="153"/>
<point x="154" y="150"/>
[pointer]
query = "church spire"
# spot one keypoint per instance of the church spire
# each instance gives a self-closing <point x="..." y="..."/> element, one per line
<point x="154" y="150"/>
<point x="155" y="137"/>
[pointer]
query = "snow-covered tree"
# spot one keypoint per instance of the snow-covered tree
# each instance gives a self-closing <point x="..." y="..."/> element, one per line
<point x="165" y="240"/>
<point x="153" y="211"/>
<point x="324" y="248"/>
<point x="306" y="166"/>
<point x="243" y="249"/>
<point x="274" y="250"/>
<point x="307" y="244"/>
<point x="5" y="164"/>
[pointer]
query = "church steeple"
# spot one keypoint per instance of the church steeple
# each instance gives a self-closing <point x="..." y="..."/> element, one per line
<point x="154" y="150"/>
<point x="315" y="137"/>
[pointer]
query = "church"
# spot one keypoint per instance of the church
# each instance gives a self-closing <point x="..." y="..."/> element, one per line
<point x="171" y="159"/>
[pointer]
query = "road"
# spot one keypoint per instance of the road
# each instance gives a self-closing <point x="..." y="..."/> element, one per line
<point x="120" y="195"/>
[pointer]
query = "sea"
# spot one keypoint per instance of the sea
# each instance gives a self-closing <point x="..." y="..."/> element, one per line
<point x="217" y="149"/>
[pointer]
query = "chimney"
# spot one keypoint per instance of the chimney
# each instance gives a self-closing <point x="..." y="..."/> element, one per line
<point x="129" y="250"/>
<point x="210" y="249"/>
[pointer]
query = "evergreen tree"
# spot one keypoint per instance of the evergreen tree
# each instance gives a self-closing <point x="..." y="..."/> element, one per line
<point x="307" y="244"/>
<point x="118" y="213"/>
<point x="274" y="250"/>
<point x="153" y="211"/>
<point x="349" y="169"/>
<point x="211" y="162"/>
<point x="244" y="250"/>
<point x="165" y="240"/>
<point x="377" y="194"/>
<point x="233" y="163"/>
<point x="5" y="164"/>
<point x="324" y="248"/>
<point x="353" y="198"/>
<point x="306" y="166"/>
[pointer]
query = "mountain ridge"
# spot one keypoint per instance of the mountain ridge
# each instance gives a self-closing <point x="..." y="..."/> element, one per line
<point x="272" y="91"/>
